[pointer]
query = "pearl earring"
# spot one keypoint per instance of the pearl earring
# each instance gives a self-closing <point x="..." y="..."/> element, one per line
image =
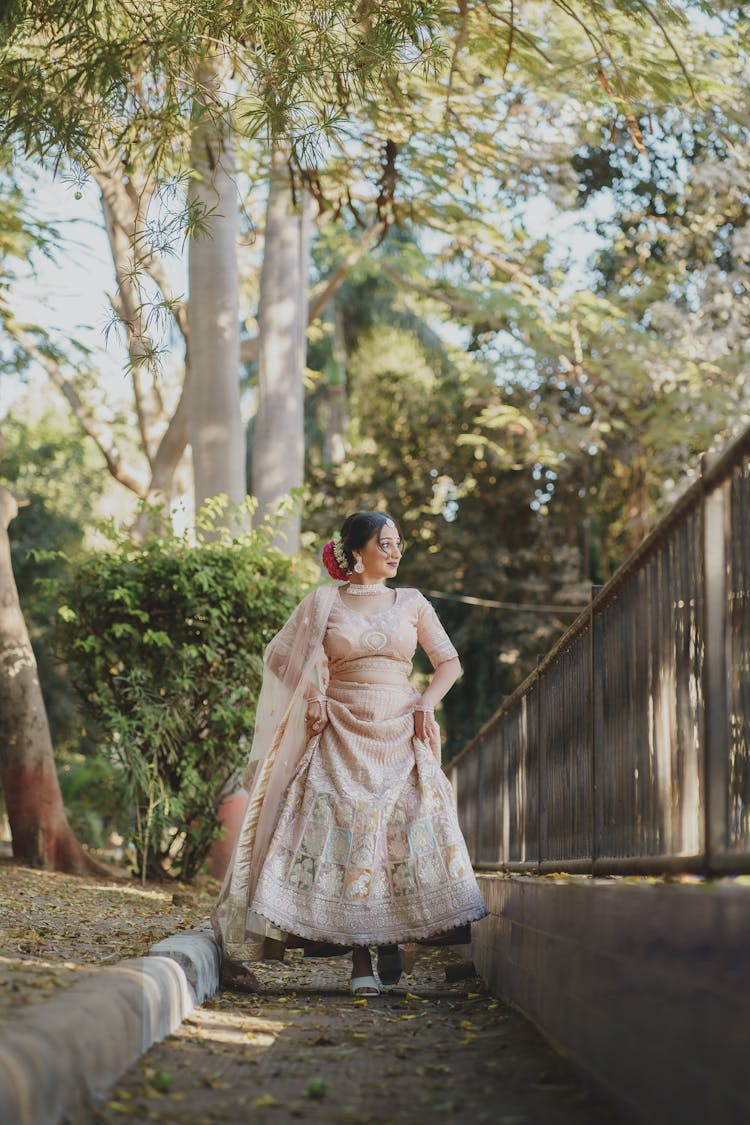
<point x="359" y="567"/>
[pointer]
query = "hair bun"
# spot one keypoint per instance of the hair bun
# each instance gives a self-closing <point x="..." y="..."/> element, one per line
<point x="331" y="564"/>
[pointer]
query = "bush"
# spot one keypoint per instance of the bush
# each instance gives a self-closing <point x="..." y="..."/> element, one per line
<point x="164" y="644"/>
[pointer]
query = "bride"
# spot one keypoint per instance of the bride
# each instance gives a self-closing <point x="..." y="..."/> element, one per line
<point x="350" y="837"/>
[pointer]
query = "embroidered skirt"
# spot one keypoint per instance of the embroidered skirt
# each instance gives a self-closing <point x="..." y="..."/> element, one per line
<point x="367" y="849"/>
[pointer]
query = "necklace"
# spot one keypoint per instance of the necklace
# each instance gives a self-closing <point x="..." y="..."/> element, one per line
<point x="361" y="588"/>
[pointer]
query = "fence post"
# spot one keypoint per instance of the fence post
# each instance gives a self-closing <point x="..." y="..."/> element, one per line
<point x="541" y="803"/>
<point x="478" y="803"/>
<point x="594" y="741"/>
<point x="505" y="797"/>
<point x="715" y="696"/>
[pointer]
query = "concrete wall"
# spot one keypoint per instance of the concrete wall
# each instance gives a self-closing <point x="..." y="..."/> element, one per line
<point x="646" y="986"/>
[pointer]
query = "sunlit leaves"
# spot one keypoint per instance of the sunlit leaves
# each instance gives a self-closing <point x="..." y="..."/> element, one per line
<point x="164" y="645"/>
<point x="70" y="74"/>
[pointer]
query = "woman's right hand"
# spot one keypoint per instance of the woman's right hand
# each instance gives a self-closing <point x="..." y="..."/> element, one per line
<point x="316" y="716"/>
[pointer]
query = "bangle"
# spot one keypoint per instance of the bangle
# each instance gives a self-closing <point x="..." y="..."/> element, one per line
<point x="426" y="709"/>
<point x="315" y="699"/>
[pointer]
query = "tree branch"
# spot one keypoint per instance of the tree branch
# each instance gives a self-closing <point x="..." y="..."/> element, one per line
<point x="320" y="299"/>
<point x="174" y="440"/>
<point x="512" y="269"/>
<point x="463" y="308"/>
<point x="100" y="434"/>
<point x="124" y="206"/>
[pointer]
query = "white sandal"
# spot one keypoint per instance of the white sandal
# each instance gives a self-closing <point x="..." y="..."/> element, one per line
<point x="364" y="987"/>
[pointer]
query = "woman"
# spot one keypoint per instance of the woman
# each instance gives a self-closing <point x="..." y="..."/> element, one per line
<point x="350" y="836"/>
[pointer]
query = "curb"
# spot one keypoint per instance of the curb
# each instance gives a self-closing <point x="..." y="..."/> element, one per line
<point x="197" y="953"/>
<point x="61" y="1055"/>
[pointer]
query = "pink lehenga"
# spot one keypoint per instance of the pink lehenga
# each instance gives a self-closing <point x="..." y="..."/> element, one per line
<point x="361" y="842"/>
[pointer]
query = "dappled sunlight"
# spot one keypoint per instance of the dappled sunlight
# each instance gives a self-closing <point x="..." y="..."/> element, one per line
<point x="17" y="659"/>
<point x="232" y="1025"/>
<point x="135" y="890"/>
<point x="39" y="963"/>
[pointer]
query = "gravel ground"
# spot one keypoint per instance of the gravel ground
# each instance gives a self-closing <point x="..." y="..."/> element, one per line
<point x="54" y="928"/>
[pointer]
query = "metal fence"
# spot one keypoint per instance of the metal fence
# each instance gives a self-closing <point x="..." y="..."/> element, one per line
<point x="627" y="750"/>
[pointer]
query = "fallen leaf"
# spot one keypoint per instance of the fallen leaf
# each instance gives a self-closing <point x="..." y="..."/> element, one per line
<point x="214" y="1082"/>
<point x="316" y="1088"/>
<point x="265" y="1100"/>
<point x="161" y="1081"/>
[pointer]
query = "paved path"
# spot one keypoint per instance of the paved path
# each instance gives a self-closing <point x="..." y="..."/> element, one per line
<point x="302" y="1049"/>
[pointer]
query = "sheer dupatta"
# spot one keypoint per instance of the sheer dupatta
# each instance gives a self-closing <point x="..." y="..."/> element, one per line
<point x="294" y="660"/>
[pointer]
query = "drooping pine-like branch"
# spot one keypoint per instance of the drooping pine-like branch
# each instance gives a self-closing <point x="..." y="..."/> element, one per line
<point x="100" y="433"/>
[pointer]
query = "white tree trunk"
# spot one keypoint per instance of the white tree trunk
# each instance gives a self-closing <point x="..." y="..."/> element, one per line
<point x="216" y="431"/>
<point x="278" y="462"/>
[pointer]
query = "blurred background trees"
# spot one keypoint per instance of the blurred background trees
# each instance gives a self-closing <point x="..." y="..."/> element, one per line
<point x="515" y="242"/>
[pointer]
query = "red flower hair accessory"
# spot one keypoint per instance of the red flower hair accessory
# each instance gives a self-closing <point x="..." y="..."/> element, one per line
<point x="334" y="559"/>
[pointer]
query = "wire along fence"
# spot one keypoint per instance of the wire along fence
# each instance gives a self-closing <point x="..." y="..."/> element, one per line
<point x="627" y="750"/>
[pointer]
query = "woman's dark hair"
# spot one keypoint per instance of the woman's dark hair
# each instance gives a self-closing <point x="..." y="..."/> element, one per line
<point x="359" y="529"/>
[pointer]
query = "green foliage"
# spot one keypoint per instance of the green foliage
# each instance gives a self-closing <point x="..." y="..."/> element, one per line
<point x="431" y="440"/>
<point x="93" y="798"/>
<point x="164" y="644"/>
<point x="71" y="72"/>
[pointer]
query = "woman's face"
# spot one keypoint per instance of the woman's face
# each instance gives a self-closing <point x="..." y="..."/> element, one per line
<point x="381" y="554"/>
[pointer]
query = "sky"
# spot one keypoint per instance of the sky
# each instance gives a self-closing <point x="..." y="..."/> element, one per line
<point x="68" y="296"/>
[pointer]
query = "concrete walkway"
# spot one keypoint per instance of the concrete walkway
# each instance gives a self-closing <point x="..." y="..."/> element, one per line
<point x="303" y="1049"/>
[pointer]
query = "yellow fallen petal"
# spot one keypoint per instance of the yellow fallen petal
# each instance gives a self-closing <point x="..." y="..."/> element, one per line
<point x="265" y="1099"/>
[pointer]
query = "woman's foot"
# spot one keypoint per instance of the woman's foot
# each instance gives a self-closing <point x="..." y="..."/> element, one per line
<point x="237" y="978"/>
<point x="364" y="987"/>
<point x="390" y="965"/>
<point x="363" y="983"/>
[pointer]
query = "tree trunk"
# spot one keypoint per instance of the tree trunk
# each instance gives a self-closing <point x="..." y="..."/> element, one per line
<point x="41" y="833"/>
<point x="336" y="413"/>
<point x="279" y="444"/>
<point x="216" y="431"/>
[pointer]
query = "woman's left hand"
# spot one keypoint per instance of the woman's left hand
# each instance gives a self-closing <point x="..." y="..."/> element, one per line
<point x="427" y="730"/>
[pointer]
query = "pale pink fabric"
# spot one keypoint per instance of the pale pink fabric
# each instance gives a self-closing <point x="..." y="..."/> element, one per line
<point x="293" y="661"/>
<point x="367" y="847"/>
